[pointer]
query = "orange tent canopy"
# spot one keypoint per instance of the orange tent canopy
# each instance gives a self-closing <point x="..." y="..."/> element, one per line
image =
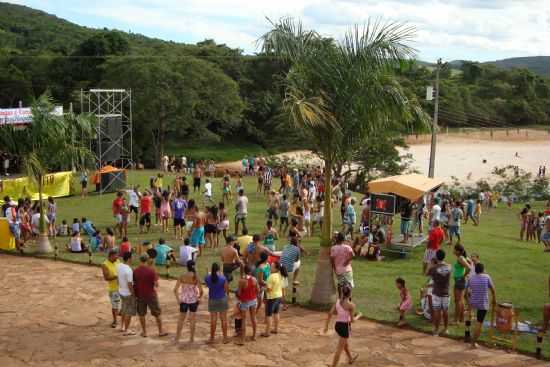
<point x="104" y="169"/>
<point x="411" y="187"/>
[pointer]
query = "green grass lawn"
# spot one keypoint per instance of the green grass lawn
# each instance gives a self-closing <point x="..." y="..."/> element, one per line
<point x="520" y="270"/>
<point x="222" y="151"/>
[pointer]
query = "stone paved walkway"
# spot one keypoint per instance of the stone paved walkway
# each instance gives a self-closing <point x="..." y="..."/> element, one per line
<point x="57" y="314"/>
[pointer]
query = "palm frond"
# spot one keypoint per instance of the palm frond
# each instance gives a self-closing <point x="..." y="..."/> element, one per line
<point x="33" y="167"/>
<point x="288" y="39"/>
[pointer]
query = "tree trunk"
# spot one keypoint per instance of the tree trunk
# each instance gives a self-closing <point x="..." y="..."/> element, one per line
<point x="43" y="240"/>
<point x="324" y="291"/>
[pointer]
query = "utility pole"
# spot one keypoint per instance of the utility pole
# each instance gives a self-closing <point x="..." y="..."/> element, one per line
<point x="72" y="133"/>
<point x="434" y="121"/>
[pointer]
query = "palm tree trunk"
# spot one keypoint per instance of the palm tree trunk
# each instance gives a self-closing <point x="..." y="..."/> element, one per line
<point x="43" y="240"/>
<point x="324" y="290"/>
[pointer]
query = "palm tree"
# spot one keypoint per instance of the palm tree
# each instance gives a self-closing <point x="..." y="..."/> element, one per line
<point x="336" y="94"/>
<point x="50" y="143"/>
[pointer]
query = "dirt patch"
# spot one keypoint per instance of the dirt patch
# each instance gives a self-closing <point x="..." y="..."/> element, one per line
<point x="57" y="314"/>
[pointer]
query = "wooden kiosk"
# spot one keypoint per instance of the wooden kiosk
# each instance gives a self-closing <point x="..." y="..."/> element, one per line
<point x="389" y="194"/>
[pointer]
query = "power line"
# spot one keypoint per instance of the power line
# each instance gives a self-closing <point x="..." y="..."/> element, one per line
<point x="467" y="117"/>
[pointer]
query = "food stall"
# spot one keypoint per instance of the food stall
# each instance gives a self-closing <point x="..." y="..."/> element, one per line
<point x="388" y="195"/>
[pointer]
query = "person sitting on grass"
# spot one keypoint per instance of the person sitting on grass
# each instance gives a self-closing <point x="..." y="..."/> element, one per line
<point x="62" y="229"/>
<point x="187" y="253"/>
<point x="406" y="301"/>
<point x="88" y="227"/>
<point x="76" y="245"/>
<point x="95" y="241"/>
<point x="165" y="253"/>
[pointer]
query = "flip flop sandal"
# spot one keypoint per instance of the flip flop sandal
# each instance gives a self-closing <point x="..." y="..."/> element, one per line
<point x="163" y="334"/>
<point x="274" y="332"/>
<point x="354" y="358"/>
<point x="264" y="335"/>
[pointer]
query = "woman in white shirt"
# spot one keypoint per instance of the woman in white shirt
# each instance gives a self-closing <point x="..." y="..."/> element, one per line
<point x="76" y="245"/>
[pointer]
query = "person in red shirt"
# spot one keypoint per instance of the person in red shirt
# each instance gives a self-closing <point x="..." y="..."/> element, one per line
<point x="435" y="239"/>
<point x="125" y="246"/>
<point x="145" y="204"/>
<point x="145" y="285"/>
<point x="118" y="203"/>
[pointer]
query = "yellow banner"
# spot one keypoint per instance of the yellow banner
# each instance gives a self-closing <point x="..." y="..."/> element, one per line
<point x="55" y="185"/>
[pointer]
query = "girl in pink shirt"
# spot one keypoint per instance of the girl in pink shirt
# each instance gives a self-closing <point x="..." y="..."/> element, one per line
<point x="344" y="310"/>
<point x="406" y="301"/>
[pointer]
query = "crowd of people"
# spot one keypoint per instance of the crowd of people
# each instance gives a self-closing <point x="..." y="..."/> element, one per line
<point x="294" y="210"/>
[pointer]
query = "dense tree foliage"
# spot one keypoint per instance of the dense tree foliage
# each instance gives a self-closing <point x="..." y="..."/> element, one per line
<point x="216" y="93"/>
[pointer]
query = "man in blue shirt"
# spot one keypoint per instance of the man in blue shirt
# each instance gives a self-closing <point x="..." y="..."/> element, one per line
<point x="349" y="218"/>
<point x="470" y="210"/>
<point x="179" y="206"/>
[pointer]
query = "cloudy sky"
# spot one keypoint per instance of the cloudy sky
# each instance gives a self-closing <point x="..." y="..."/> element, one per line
<point x="480" y="30"/>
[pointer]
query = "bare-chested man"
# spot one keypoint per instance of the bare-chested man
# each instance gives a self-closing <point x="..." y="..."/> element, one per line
<point x="230" y="259"/>
<point x="252" y="252"/>
<point x="197" y="231"/>
<point x="273" y="202"/>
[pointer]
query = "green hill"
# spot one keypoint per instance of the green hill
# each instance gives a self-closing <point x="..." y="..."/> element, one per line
<point x="537" y="64"/>
<point x="214" y="94"/>
<point x="26" y="29"/>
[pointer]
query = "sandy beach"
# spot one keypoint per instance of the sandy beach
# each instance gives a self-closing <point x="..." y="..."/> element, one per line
<point x="461" y="154"/>
<point x="461" y="157"/>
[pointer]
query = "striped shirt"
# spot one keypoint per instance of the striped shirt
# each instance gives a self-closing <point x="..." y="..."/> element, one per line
<point x="479" y="285"/>
<point x="268" y="176"/>
<point x="290" y="255"/>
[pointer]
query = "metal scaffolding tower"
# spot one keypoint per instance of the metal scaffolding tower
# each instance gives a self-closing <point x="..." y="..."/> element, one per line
<point x="112" y="140"/>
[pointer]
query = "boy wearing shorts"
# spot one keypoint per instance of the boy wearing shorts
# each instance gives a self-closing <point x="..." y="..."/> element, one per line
<point x="441" y="275"/>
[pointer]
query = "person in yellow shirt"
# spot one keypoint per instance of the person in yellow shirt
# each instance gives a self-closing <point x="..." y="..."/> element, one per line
<point x="274" y="296"/>
<point x="477" y="213"/>
<point x="111" y="277"/>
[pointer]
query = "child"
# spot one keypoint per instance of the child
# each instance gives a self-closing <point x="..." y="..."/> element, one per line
<point x="125" y="246"/>
<point x="239" y="185"/>
<point x="405" y="304"/>
<point x="76" y="226"/>
<point x="63" y="229"/>
<point x="52" y="212"/>
<point x="283" y="214"/>
<point x="238" y="319"/>
<point x="344" y="310"/>
<point x="477" y="215"/>
<point x="165" y="211"/>
<point x="531" y="227"/>
<point x="95" y="241"/>
<point x="226" y="189"/>
<point x="207" y="192"/>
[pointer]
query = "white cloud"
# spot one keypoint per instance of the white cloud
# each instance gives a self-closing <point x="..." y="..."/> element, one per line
<point x="468" y="29"/>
